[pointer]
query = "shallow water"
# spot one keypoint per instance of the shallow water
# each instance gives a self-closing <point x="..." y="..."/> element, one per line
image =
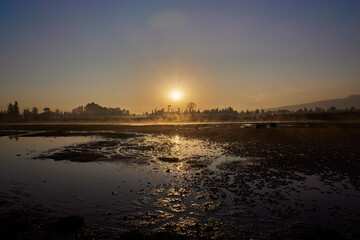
<point x="146" y="180"/>
<point x="96" y="188"/>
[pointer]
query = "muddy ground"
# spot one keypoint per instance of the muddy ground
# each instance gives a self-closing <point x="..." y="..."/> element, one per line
<point x="228" y="181"/>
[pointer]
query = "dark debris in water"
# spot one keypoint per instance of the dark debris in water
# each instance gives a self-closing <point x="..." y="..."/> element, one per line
<point x="172" y="204"/>
<point x="144" y="219"/>
<point x="75" y="156"/>
<point x="182" y="192"/>
<point x="237" y="199"/>
<point x="196" y="164"/>
<point x="169" y="159"/>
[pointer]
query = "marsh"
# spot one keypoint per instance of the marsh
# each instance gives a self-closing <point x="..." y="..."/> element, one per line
<point x="191" y="181"/>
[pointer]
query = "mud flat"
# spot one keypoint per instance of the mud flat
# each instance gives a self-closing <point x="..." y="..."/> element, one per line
<point x="193" y="181"/>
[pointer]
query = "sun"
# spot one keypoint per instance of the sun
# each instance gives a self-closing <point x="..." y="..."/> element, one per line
<point x="176" y="95"/>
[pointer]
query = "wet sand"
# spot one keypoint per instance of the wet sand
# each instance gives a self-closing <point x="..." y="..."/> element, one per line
<point x="200" y="181"/>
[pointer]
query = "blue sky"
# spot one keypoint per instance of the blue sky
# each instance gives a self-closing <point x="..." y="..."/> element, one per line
<point x="134" y="54"/>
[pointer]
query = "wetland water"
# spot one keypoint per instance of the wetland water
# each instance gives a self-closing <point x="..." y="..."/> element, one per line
<point x="214" y="182"/>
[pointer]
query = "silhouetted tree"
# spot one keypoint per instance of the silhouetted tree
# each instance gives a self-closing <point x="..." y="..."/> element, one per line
<point x="27" y="114"/>
<point x="79" y="111"/>
<point x="35" y="111"/>
<point x="191" y="106"/>
<point x="2" y="115"/>
<point x="13" y="112"/>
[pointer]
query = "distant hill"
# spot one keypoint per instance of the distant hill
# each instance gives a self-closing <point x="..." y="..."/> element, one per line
<point x="341" y="103"/>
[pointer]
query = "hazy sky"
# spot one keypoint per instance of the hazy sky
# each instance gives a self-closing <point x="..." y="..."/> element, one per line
<point x="133" y="54"/>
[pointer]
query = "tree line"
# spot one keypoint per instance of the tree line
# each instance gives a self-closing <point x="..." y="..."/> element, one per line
<point x="89" y="111"/>
<point x="95" y="112"/>
<point x="191" y="108"/>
